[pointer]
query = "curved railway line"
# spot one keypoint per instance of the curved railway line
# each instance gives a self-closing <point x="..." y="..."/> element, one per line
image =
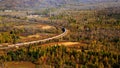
<point x="65" y="31"/>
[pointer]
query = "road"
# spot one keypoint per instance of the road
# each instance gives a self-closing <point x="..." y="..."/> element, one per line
<point x="65" y="31"/>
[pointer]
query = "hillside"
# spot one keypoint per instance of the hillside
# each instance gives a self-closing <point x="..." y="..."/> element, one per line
<point x="37" y="4"/>
<point x="57" y="37"/>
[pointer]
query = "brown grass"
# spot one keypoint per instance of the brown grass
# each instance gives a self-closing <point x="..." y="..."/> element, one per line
<point x="38" y="36"/>
<point x="40" y="26"/>
<point x="65" y="44"/>
<point x="19" y="65"/>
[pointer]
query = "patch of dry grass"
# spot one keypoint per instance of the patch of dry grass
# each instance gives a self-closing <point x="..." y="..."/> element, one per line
<point x="19" y="65"/>
<point x="64" y="43"/>
<point x="40" y="26"/>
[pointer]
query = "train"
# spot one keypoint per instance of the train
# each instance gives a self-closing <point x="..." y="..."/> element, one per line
<point x="65" y="31"/>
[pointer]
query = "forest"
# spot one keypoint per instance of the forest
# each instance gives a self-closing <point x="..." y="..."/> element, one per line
<point x="98" y="29"/>
<point x="64" y="57"/>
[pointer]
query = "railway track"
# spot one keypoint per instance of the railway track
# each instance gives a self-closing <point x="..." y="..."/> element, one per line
<point x="65" y="31"/>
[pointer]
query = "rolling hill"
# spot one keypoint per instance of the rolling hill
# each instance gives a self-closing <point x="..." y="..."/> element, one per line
<point x="37" y="4"/>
